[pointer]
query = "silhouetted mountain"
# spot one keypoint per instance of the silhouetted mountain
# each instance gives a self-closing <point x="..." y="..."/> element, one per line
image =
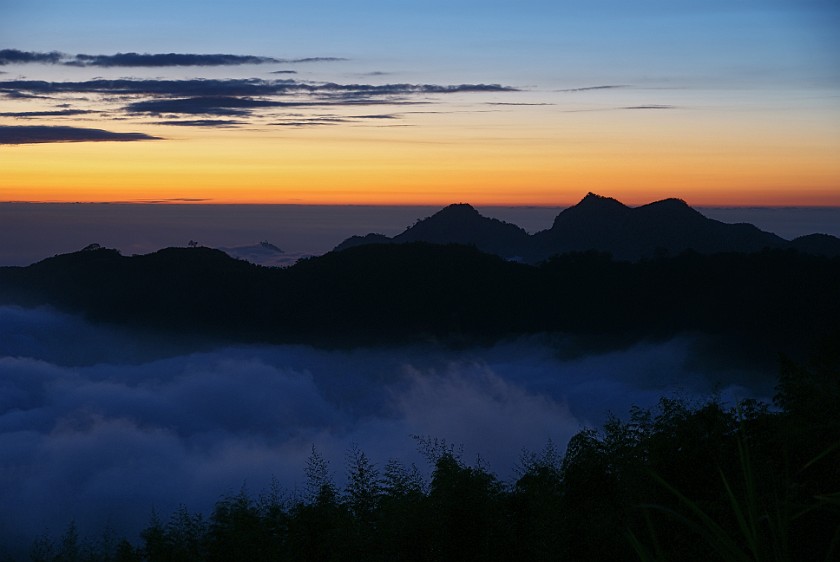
<point x="773" y="301"/>
<point x="264" y="253"/>
<point x="817" y="244"/>
<point x="462" y="224"/>
<point x="372" y="238"/>
<point x="667" y="227"/>
<point x="195" y="289"/>
<point x="592" y="224"/>
<point x="457" y="224"/>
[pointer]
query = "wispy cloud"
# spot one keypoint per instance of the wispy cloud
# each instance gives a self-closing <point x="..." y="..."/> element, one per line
<point x="235" y="87"/>
<point x="312" y="122"/>
<point x="236" y="98"/>
<point x="47" y="134"/>
<point x="166" y="59"/>
<point x="650" y="106"/>
<point x="518" y="103"/>
<point x="15" y="95"/>
<point x="157" y="60"/>
<point x="49" y="113"/>
<point x="590" y="88"/>
<point x="300" y="121"/>
<point x="171" y="200"/>
<point x="202" y="122"/>
<point x="14" y="56"/>
<point x="174" y="88"/>
<point x="625" y="108"/>
<point x="312" y="59"/>
<point x="221" y="105"/>
<point x="212" y="102"/>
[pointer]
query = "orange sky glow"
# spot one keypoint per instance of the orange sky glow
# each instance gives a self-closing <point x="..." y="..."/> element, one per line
<point x="717" y="103"/>
<point x="499" y="164"/>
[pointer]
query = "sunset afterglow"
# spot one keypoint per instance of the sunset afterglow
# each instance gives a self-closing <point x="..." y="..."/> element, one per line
<point x="531" y="104"/>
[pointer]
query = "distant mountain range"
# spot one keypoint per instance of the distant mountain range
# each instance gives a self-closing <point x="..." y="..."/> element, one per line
<point x="758" y="304"/>
<point x="662" y="228"/>
<point x="458" y="277"/>
<point x="264" y="253"/>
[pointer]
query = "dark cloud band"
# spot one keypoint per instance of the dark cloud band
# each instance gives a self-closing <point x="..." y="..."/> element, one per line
<point x="47" y="134"/>
<point x="226" y="99"/>
<point x="51" y="113"/>
<point x="222" y="105"/>
<point x="15" y="56"/>
<point x="217" y="123"/>
<point x="166" y="59"/>
<point x="235" y="87"/>
<point x="238" y="98"/>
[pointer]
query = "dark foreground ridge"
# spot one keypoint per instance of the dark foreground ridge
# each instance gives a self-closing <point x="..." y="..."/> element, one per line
<point x="667" y="227"/>
<point x="774" y="300"/>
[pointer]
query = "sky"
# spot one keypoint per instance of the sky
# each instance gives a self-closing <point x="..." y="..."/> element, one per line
<point x="420" y="103"/>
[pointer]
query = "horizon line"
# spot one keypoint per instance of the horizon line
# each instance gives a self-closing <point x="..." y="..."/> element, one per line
<point x="189" y="202"/>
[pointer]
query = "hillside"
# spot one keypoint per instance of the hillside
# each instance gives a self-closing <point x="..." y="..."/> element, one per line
<point x="778" y="300"/>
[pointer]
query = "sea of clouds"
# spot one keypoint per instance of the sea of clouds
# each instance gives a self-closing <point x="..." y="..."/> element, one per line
<point x="103" y="427"/>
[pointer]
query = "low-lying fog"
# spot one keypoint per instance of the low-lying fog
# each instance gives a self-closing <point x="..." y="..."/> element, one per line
<point x="103" y="427"/>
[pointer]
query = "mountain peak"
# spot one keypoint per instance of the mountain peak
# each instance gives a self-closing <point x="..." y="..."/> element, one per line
<point x="594" y="200"/>
<point x="672" y="210"/>
<point x="458" y="210"/>
<point x="671" y="204"/>
<point x="268" y="246"/>
<point x="674" y="202"/>
<point x="463" y="224"/>
<point x="665" y="227"/>
<point x="606" y="212"/>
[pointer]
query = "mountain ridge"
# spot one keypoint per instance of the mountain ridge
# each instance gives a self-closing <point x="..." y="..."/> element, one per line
<point x="780" y="300"/>
<point x="666" y="227"/>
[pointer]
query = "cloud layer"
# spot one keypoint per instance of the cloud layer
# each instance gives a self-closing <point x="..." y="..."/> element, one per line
<point x="204" y="102"/>
<point x="103" y="427"/>
<point x="41" y="134"/>
<point x="235" y="87"/>
<point x="157" y="60"/>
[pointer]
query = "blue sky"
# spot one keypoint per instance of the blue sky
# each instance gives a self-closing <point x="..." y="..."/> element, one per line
<point x="752" y="90"/>
<point x="523" y="41"/>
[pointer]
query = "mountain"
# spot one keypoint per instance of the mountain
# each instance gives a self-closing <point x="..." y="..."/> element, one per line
<point x="593" y="224"/>
<point x="770" y="302"/>
<point x="457" y="224"/>
<point x="460" y="283"/>
<point x="817" y="244"/>
<point x="658" y="229"/>
<point x="371" y="238"/>
<point x="666" y="227"/>
<point x="264" y="253"/>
